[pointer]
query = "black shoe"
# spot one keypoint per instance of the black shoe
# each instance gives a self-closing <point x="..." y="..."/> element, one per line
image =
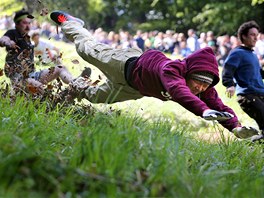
<point x="86" y="73"/>
<point x="59" y="17"/>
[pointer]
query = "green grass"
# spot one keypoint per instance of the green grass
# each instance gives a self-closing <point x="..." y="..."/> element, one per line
<point x="144" y="148"/>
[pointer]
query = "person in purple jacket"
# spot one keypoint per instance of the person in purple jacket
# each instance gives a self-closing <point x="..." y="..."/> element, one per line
<point x="132" y="74"/>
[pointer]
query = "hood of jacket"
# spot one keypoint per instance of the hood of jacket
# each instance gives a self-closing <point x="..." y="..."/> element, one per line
<point x="203" y="60"/>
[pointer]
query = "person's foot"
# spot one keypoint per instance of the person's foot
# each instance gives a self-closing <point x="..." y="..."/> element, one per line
<point x="258" y="138"/>
<point x="59" y="17"/>
<point x="245" y="132"/>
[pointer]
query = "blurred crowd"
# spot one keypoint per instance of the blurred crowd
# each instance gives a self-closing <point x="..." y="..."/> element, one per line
<point x="177" y="44"/>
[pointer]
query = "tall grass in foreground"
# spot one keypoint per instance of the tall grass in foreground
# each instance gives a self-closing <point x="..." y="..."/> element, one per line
<point x="61" y="154"/>
<point x="151" y="149"/>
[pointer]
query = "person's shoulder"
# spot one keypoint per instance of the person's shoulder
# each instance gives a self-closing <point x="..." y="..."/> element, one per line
<point x="241" y="50"/>
<point x="236" y="50"/>
<point x="11" y="31"/>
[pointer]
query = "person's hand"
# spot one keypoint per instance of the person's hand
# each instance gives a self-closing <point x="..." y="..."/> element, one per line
<point x="230" y="91"/>
<point x="245" y="132"/>
<point x="216" y="115"/>
<point x="12" y="44"/>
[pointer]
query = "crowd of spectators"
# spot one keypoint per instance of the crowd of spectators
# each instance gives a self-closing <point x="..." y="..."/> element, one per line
<point x="177" y="44"/>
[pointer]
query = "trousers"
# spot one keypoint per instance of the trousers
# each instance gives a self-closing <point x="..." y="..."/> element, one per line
<point x="253" y="105"/>
<point x="110" y="61"/>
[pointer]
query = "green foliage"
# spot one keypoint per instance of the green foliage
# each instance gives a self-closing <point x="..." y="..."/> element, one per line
<point x="220" y="17"/>
<point x="254" y="2"/>
<point x="159" y="25"/>
<point x="180" y="15"/>
<point x="8" y="7"/>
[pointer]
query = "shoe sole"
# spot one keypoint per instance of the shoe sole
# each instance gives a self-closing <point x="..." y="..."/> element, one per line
<point x="55" y="15"/>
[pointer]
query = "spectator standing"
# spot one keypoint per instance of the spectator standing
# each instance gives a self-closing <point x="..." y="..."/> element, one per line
<point x="235" y="42"/>
<point x="211" y="41"/>
<point x="192" y="41"/>
<point x="168" y="41"/>
<point x="158" y="42"/>
<point x="224" y="47"/>
<point x="184" y="49"/>
<point x="259" y="49"/>
<point x="202" y="40"/>
<point x="139" y="41"/>
<point x="45" y="51"/>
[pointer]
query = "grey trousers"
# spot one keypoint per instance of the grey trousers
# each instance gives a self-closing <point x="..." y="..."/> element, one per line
<point x="108" y="60"/>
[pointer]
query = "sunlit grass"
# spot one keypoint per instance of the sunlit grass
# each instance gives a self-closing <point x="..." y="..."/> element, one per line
<point x="143" y="148"/>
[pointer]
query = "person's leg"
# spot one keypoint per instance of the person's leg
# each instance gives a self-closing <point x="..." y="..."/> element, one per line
<point x="34" y="86"/>
<point x="254" y="107"/>
<point x="110" y="61"/>
<point x="52" y="73"/>
<point x="110" y="93"/>
<point x="106" y="92"/>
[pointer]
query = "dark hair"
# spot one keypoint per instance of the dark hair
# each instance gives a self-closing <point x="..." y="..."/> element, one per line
<point x="245" y="27"/>
<point x="21" y="13"/>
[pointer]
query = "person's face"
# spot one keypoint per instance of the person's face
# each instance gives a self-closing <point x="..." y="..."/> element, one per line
<point x="24" y="26"/>
<point x="196" y="86"/>
<point x="251" y="38"/>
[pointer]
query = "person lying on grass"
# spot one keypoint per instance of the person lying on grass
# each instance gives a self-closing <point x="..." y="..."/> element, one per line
<point x="132" y="74"/>
<point x="19" y="63"/>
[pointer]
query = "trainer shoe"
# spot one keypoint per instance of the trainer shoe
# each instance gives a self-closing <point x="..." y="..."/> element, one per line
<point x="258" y="138"/>
<point x="244" y="132"/>
<point x="59" y="17"/>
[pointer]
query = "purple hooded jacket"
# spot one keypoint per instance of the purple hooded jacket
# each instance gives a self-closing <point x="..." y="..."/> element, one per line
<point x="156" y="75"/>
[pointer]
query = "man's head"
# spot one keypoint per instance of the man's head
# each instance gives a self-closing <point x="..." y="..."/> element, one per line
<point x="248" y="33"/>
<point x="23" y="20"/>
<point x="198" y="82"/>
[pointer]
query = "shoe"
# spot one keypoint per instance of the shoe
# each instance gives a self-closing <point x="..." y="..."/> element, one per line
<point x="86" y="73"/>
<point x="244" y="132"/>
<point x="258" y="138"/>
<point x="59" y="17"/>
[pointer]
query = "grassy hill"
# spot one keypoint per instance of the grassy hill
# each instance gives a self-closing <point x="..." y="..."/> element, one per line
<point x="143" y="148"/>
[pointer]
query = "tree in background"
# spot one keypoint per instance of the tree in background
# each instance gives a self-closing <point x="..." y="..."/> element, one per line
<point x="222" y="17"/>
